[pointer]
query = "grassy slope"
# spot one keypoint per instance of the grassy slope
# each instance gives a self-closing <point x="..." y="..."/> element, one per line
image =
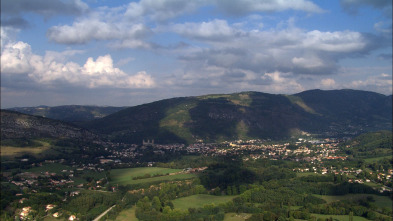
<point x="199" y="200"/>
<point x="176" y="119"/>
<point x="298" y="101"/>
<point x="40" y="148"/>
<point x="8" y="151"/>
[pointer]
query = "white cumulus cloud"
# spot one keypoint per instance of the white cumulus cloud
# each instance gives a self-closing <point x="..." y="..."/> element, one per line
<point x="339" y="41"/>
<point x="310" y="62"/>
<point x="265" y="51"/>
<point x="281" y="83"/>
<point x="161" y="10"/>
<point x="328" y="83"/>
<point x="17" y="58"/>
<point x="129" y="24"/>
<point x="217" y="30"/>
<point x="240" y="7"/>
<point x="105" y="24"/>
<point x="381" y="83"/>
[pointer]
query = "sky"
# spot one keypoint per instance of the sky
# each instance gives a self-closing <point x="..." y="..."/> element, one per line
<point x="126" y="53"/>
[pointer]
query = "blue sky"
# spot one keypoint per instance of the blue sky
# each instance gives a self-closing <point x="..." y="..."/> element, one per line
<point x="125" y="53"/>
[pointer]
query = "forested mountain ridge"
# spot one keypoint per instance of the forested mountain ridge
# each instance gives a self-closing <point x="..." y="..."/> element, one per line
<point x="249" y="115"/>
<point x="69" y="113"/>
<point x="16" y="125"/>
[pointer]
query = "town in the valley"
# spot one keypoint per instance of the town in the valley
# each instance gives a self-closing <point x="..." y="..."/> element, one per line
<point x="329" y="156"/>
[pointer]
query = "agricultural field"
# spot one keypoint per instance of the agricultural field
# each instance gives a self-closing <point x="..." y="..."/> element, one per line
<point x="303" y="174"/>
<point x="196" y="201"/>
<point x="380" y="201"/>
<point x="127" y="215"/>
<point x="126" y="176"/>
<point x="161" y="179"/>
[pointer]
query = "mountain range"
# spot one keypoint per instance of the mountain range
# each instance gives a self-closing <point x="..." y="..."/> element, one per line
<point x="69" y="113"/>
<point x="15" y="125"/>
<point x="249" y="115"/>
<point x="220" y="117"/>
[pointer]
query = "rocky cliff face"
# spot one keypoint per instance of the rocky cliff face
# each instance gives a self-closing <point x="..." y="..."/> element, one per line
<point x="17" y="125"/>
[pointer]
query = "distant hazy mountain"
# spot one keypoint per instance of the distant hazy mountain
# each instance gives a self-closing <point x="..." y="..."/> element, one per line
<point x="69" y="113"/>
<point x="18" y="125"/>
<point x="249" y="115"/>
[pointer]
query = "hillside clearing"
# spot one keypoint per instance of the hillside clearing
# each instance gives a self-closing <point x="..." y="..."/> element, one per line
<point x="196" y="201"/>
<point x="375" y="159"/>
<point x="127" y="215"/>
<point x="125" y="176"/>
<point x="236" y="216"/>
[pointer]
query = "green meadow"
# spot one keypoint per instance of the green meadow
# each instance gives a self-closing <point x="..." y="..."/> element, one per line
<point x="127" y="215"/>
<point x="125" y="176"/>
<point x="303" y="174"/>
<point x="339" y="217"/>
<point x="196" y="201"/>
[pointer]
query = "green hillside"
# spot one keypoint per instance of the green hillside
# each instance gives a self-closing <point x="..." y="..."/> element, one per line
<point x="69" y="113"/>
<point x="29" y="136"/>
<point x="345" y="109"/>
<point x="375" y="146"/>
<point x="15" y="125"/>
<point x="247" y="115"/>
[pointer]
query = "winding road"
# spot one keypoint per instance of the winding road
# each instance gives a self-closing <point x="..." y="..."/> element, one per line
<point x="103" y="214"/>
